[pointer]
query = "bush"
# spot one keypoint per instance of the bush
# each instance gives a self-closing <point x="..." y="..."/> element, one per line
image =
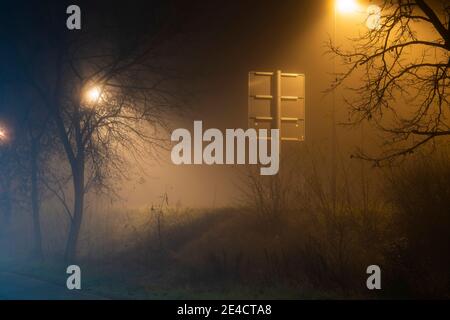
<point x="420" y="249"/>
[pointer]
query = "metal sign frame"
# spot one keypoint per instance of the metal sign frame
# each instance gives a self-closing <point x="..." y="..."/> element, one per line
<point x="274" y="96"/>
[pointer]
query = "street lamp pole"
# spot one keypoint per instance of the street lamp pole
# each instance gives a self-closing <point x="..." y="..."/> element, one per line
<point x="348" y="6"/>
<point x="333" y="126"/>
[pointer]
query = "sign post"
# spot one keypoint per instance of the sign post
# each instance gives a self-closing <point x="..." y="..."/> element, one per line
<point x="276" y="100"/>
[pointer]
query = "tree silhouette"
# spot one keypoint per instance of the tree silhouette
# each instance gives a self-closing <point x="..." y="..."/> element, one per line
<point x="104" y="89"/>
<point x="404" y="63"/>
<point x="26" y="143"/>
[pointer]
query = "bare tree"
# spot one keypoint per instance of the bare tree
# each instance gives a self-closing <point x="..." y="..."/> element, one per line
<point x="38" y="146"/>
<point x="403" y="62"/>
<point x="114" y="105"/>
<point x="106" y="93"/>
<point x="6" y="180"/>
<point x="25" y="143"/>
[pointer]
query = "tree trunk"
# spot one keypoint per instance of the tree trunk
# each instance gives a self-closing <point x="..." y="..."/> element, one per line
<point x="6" y="204"/>
<point x="6" y="211"/>
<point x="75" y="226"/>
<point x="37" y="250"/>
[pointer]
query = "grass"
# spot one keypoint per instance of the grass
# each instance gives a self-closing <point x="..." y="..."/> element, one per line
<point x="115" y="285"/>
<point x="273" y="247"/>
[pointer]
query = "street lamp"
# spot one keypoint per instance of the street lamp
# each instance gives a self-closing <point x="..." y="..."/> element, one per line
<point x="93" y="94"/>
<point x="372" y="13"/>
<point x="3" y="134"/>
<point x="346" y="6"/>
<point x="373" y="17"/>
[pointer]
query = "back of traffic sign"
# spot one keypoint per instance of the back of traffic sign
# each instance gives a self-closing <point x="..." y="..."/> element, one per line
<point x="277" y="101"/>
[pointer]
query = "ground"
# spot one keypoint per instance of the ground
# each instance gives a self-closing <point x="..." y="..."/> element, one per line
<point x="36" y="281"/>
<point x="16" y="286"/>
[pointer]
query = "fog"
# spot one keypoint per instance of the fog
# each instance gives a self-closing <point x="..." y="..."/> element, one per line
<point x="288" y="36"/>
<point x="88" y="178"/>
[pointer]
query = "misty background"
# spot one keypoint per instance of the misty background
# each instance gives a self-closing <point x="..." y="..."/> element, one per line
<point x="202" y="231"/>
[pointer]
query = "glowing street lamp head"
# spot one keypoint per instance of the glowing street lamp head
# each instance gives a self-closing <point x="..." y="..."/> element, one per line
<point x="3" y="135"/>
<point x="93" y="94"/>
<point x="346" y="6"/>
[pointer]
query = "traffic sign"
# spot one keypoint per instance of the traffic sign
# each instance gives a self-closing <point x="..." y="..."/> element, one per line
<point x="277" y="101"/>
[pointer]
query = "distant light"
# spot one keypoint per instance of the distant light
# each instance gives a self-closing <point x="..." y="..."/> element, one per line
<point x="346" y="6"/>
<point x="93" y="94"/>
<point x="373" y="17"/>
<point x="3" y="135"/>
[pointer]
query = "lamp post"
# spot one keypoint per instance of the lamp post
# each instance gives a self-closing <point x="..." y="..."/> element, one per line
<point x="373" y="15"/>
<point x="343" y="7"/>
